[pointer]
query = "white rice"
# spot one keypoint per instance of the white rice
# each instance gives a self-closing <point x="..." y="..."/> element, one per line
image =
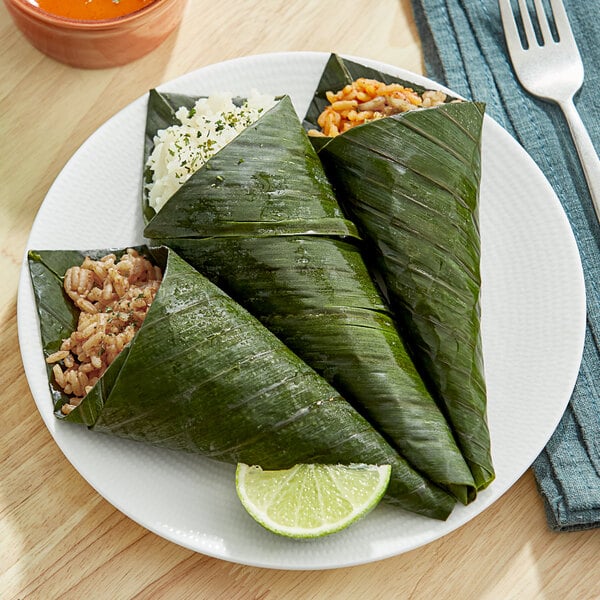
<point x="180" y="150"/>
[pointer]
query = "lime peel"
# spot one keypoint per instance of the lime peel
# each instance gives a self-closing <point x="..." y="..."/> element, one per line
<point x="310" y="500"/>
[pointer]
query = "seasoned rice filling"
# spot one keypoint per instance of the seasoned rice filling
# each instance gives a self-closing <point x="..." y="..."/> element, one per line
<point x="368" y="99"/>
<point x="114" y="297"/>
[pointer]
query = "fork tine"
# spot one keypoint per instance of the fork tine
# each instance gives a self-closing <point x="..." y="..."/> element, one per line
<point x="563" y="27"/>
<point x="513" y="40"/>
<point x="543" y="22"/>
<point x="527" y="24"/>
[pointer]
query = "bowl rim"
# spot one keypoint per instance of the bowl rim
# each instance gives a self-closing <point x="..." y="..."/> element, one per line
<point x="39" y="14"/>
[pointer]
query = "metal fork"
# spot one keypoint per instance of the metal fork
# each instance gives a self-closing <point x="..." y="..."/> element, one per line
<point x="553" y="71"/>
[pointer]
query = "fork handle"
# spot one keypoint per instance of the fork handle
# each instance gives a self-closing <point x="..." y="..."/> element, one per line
<point x="587" y="154"/>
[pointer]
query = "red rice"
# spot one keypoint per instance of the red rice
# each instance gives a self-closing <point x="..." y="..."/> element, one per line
<point x="368" y="99"/>
<point x="113" y="297"/>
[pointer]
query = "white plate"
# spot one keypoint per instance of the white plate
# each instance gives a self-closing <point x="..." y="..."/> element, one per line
<point x="533" y="325"/>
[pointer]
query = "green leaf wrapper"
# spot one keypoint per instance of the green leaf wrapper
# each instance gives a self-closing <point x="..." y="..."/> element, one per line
<point x="280" y="245"/>
<point x="411" y="183"/>
<point x="268" y="181"/>
<point x="202" y="375"/>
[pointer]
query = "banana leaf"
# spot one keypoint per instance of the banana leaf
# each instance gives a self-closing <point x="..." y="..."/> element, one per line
<point x="202" y="375"/>
<point x="269" y="182"/>
<point x="287" y="254"/>
<point x="411" y="183"/>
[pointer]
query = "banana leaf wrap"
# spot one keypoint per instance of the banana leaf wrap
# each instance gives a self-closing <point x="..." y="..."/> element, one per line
<point x="269" y="181"/>
<point x="411" y="184"/>
<point x="284" y="250"/>
<point x="202" y="375"/>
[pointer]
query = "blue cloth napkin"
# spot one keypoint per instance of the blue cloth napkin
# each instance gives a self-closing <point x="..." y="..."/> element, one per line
<point x="464" y="49"/>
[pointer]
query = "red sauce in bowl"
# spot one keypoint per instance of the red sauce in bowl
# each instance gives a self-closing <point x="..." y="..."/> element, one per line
<point x="90" y="10"/>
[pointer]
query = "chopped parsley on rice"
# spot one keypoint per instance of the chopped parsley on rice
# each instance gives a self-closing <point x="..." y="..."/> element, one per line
<point x="211" y="124"/>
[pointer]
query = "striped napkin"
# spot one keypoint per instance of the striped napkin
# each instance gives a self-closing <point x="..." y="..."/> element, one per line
<point x="463" y="46"/>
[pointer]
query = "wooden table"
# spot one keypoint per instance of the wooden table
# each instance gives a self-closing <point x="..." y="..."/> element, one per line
<point x="47" y="110"/>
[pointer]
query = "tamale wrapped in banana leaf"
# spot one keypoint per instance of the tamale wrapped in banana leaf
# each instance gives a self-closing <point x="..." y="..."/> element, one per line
<point x="202" y="375"/>
<point x="410" y="181"/>
<point x="260" y="220"/>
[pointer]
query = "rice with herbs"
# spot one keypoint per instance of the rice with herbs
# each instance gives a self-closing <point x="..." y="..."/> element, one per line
<point x="180" y="150"/>
<point x="114" y="296"/>
<point x="368" y="99"/>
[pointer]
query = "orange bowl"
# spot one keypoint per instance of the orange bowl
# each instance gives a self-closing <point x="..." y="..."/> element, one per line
<point x="100" y="43"/>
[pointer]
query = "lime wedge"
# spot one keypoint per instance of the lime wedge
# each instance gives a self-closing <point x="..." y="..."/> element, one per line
<point x="309" y="501"/>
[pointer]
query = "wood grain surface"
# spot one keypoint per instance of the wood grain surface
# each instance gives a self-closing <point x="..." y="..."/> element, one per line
<point x="58" y="537"/>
